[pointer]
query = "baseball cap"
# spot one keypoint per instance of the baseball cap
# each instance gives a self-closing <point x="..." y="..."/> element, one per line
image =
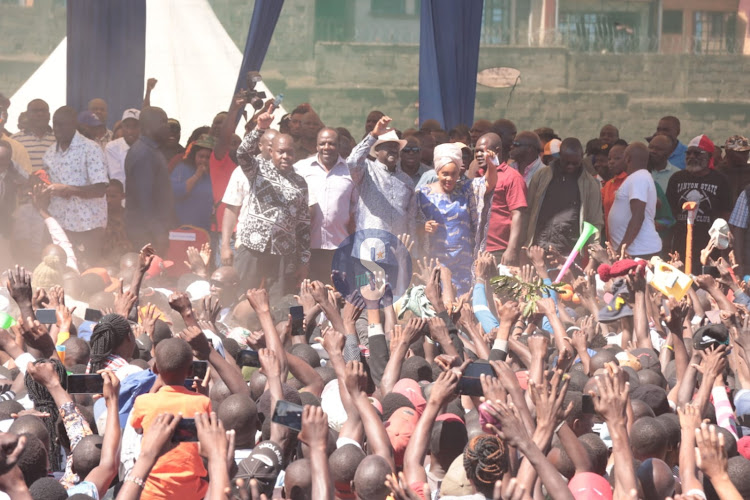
<point x="743" y="447"/>
<point x="412" y="390"/>
<point x="617" y="308"/>
<point x="158" y="266"/>
<point x="646" y="357"/>
<point x="89" y="119"/>
<point x="737" y="143"/>
<point x="399" y="428"/>
<point x="198" y="289"/>
<point x="131" y="113"/>
<point x="455" y="483"/>
<point x="330" y="401"/>
<point x="552" y="148"/>
<point x="587" y="485"/>
<point x="710" y="335"/>
<point x="263" y="464"/>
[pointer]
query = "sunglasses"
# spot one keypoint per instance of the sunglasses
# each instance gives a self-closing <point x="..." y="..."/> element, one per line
<point x="516" y="144"/>
<point x="410" y="149"/>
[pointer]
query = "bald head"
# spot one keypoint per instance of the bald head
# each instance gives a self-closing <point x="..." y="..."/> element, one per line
<point x="636" y="157"/>
<point x="153" y="122"/>
<point x="656" y="479"/>
<point x="282" y="152"/>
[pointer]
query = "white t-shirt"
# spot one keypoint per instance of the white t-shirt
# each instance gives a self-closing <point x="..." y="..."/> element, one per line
<point x="637" y="186"/>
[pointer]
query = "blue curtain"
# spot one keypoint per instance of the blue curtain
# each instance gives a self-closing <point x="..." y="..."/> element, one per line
<point x="106" y="54"/>
<point x="265" y="15"/>
<point x="448" y="60"/>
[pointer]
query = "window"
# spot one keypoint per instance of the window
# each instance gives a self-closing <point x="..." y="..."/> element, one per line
<point x="496" y="23"/>
<point x="671" y="22"/>
<point x="393" y="8"/>
<point x="714" y="32"/>
<point x="599" y="31"/>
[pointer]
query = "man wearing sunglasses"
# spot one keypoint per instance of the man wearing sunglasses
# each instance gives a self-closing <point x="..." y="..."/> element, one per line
<point x="525" y="154"/>
<point x="410" y="160"/>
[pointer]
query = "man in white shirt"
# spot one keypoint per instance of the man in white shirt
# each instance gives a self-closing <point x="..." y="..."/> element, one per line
<point x="631" y="219"/>
<point x="332" y="200"/>
<point x="116" y="151"/>
<point x="79" y="181"/>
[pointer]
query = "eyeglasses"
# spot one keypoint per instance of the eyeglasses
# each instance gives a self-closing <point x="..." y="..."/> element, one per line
<point x="410" y="149"/>
<point x="695" y="152"/>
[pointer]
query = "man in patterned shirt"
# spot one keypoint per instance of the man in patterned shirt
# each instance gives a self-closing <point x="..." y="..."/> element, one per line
<point x="79" y="181"/>
<point x="267" y="201"/>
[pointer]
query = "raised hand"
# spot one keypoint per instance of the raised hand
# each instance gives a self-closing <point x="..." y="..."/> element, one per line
<point x="195" y="262"/>
<point x="332" y="341"/>
<point x="356" y="377"/>
<point x="43" y="373"/>
<point x="314" y="427"/>
<point x="19" y="286"/>
<point x="258" y="299"/>
<point x="548" y="399"/>
<point x="148" y="319"/>
<point x="209" y="310"/>
<point x="157" y="439"/>
<point x="424" y="269"/>
<point x="612" y="399"/>
<point x="180" y="302"/>
<point x="37" y="336"/>
<point x="511" y="425"/>
<point x="485" y="265"/>
<point x="145" y="258"/>
<point x="444" y="388"/>
<point x="124" y="302"/>
<point x="198" y="341"/>
<point x="382" y="126"/>
<point x="269" y="362"/>
<point x="212" y="438"/>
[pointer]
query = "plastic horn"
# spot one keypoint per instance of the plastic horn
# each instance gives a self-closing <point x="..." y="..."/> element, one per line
<point x="690" y="206"/>
<point x="588" y="231"/>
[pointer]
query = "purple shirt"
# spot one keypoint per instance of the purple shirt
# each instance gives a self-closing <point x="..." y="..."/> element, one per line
<point x="332" y="199"/>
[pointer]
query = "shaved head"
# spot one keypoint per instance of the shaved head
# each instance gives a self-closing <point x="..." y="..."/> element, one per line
<point x="636" y="156"/>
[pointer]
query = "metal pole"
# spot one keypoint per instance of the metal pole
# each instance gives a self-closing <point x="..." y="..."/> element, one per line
<point x="659" y="21"/>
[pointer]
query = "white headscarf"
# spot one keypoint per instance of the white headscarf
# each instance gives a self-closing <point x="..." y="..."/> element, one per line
<point x="445" y="154"/>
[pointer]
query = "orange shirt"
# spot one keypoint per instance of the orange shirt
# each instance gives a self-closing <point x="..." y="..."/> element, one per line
<point x="179" y="472"/>
<point x="608" y="193"/>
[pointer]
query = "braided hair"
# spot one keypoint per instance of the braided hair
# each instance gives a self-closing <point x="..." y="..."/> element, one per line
<point x="485" y="461"/>
<point x="111" y="331"/>
<point x="44" y="402"/>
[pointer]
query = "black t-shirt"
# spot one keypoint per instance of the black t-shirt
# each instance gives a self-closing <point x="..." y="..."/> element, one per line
<point x="558" y="221"/>
<point x="713" y="195"/>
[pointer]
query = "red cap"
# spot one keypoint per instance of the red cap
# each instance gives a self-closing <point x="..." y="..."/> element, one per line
<point x="158" y="265"/>
<point x="589" y="486"/>
<point x="449" y="417"/>
<point x="399" y="428"/>
<point x="413" y="392"/>
<point x="743" y="446"/>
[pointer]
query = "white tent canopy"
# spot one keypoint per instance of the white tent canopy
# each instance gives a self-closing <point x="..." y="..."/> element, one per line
<point x="187" y="50"/>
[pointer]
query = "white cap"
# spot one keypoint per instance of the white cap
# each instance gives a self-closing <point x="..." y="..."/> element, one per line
<point x="131" y="113"/>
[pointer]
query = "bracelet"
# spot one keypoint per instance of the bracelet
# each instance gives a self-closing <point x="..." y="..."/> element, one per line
<point x="669" y="347"/>
<point x="135" y="480"/>
<point x="559" y="426"/>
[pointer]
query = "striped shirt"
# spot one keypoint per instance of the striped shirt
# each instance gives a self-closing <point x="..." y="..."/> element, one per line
<point x="35" y="146"/>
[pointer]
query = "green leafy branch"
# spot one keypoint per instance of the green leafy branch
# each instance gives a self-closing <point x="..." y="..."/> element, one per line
<point x="524" y="292"/>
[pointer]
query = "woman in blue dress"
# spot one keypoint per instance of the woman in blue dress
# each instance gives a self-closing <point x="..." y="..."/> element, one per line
<point x="449" y="212"/>
<point x="191" y="184"/>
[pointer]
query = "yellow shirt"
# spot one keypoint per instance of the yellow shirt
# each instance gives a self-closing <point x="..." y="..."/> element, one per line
<point x="20" y="155"/>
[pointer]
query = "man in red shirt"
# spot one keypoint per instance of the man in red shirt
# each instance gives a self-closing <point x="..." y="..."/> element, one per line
<point x="508" y="204"/>
<point x="222" y="163"/>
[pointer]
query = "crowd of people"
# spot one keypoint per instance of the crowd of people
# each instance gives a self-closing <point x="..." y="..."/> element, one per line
<point x="238" y="317"/>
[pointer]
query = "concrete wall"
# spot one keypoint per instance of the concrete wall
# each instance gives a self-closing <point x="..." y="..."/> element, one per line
<point x="572" y="92"/>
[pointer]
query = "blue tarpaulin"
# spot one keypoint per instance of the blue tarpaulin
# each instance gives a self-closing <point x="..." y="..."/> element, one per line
<point x="106" y="54"/>
<point x="448" y="60"/>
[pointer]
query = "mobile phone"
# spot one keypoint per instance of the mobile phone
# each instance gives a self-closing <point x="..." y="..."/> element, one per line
<point x="188" y="384"/>
<point x="277" y="101"/>
<point x="587" y="405"/>
<point x="93" y="315"/>
<point x="185" y="431"/>
<point x="248" y="357"/>
<point x="199" y="369"/>
<point x="85" y="384"/>
<point x="288" y="414"/>
<point x="298" y="315"/>
<point x="469" y="385"/>
<point x="46" y="316"/>
<point x="712" y="271"/>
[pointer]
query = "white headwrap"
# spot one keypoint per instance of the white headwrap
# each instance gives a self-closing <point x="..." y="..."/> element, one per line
<point x="445" y="154"/>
